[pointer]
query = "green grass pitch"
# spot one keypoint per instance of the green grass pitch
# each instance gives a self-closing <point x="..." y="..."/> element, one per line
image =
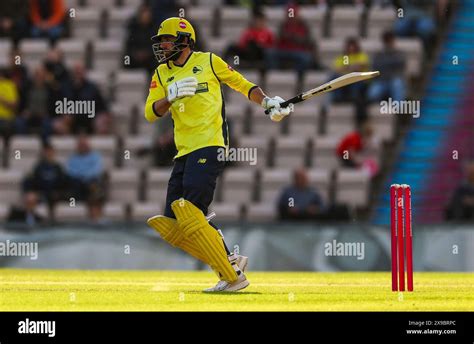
<point x="59" y="290"/>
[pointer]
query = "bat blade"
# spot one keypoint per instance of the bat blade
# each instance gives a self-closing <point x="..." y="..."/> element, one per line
<point x="339" y="82"/>
<point x="334" y="84"/>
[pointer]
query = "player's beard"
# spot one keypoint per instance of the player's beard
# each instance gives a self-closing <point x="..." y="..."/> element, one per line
<point x="166" y="55"/>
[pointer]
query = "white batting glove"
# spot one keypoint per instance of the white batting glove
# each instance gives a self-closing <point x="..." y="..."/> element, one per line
<point x="182" y="88"/>
<point x="277" y="113"/>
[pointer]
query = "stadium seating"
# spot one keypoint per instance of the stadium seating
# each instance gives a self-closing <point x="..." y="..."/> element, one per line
<point x="24" y="152"/>
<point x="272" y="182"/>
<point x="157" y="183"/>
<point x="74" y="50"/>
<point x="380" y="20"/>
<point x="118" y="21"/>
<point x="352" y="187"/>
<point x="229" y="211"/>
<point x="33" y="51"/>
<point x="305" y="121"/>
<point x="291" y="151"/>
<point x="261" y="212"/>
<point x="239" y="185"/>
<point x="86" y="23"/>
<point x="340" y="120"/>
<point x="10" y="184"/>
<point x="107" y="55"/>
<point x="5" y="47"/>
<point x="345" y="21"/>
<point x="309" y="137"/>
<point x="124" y="185"/>
<point x="141" y="211"/>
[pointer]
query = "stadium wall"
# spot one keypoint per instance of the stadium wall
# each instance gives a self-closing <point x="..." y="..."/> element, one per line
<point x="280" y="247"/>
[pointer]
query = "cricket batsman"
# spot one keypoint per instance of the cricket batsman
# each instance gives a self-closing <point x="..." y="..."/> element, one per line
<point x="188" y="84"/>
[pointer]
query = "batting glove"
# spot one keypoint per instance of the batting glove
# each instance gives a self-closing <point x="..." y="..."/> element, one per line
<point x="277" y="113"/>
<point x="182" y="88"/>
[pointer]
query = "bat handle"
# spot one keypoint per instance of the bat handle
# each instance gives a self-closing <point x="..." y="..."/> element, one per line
<point x="283" y="105"/>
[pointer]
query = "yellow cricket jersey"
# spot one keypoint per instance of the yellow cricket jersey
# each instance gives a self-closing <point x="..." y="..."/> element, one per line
<point x="357" y="58"/>
<point x="9" y="92"/>
<point x="199" y="121"/>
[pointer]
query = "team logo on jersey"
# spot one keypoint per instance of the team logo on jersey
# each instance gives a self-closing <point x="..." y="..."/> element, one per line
<point x="182" y="25"/>
<point x="153" y="84"/>
<point x="170" y="79"/>
<point x="197" y="69"/>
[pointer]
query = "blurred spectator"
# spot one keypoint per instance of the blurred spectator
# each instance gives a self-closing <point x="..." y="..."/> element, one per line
<point x="84" y="167"/>
<point x="36" y="117"/>
<point x="163" y="148"/>
<point x="8" y="104"/>
<point x="48" y="178"/>
<point x="47" y="18"/>
<point x="18" y="73"/>
<point x="356" y="150"/>
<point x="253" y="43"/>
<point x="27" y="213"/>
<point x="300" y="201"/>
<point x="137" y="45"/>
<point x="59" y="82"/>
<point x="84" y="90"/>
<point x="461" y="206"/>
<point x="294" y="43"/>
<point x="416" y="21"/>
<point x="86" y="171"/>
<point x="352" y="60"/>
<point x="14" y="19"/>
<point x="162" y="9"/>
<point x="391" y="64"/>
<point x="56" y="67"/>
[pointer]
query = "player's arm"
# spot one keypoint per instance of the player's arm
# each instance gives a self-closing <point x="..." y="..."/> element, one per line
<point x="236" y="81"/>
<point x="159" y="101"/>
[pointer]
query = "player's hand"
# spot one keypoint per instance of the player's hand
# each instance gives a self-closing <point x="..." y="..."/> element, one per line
<point x="277" y="113"/>
<point x="182" y="88"/>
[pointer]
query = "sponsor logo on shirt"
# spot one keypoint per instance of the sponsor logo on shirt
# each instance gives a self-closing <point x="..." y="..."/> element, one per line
<point x="170" y="79"/>
<point x="182" y="25"/>
<point x="202" y="87"/>
<point x="153" y="84"/>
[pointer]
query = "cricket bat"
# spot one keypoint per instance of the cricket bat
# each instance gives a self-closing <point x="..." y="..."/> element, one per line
<point x="342" y="81"/>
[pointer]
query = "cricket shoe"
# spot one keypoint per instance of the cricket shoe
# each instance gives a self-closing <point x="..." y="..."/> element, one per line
<point x="241" y="261"/>
<point x="224" y="286"/>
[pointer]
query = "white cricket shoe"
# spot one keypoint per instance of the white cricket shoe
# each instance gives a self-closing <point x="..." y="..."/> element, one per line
<point x="241" y="261"/>
<point x="224" y="286"/>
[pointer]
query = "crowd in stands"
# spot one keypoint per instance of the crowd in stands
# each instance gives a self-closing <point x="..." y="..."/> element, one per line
<point x="29" y="97"/>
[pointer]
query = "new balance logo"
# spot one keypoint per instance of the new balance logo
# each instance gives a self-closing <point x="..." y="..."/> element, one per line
<point x="170" y="79"/>
<point x="202" y="161"/>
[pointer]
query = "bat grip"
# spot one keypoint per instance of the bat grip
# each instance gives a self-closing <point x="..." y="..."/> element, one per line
<point x="283" y="105"/>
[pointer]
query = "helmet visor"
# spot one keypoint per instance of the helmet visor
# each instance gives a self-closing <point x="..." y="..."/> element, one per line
<point x="167" y="47"/>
